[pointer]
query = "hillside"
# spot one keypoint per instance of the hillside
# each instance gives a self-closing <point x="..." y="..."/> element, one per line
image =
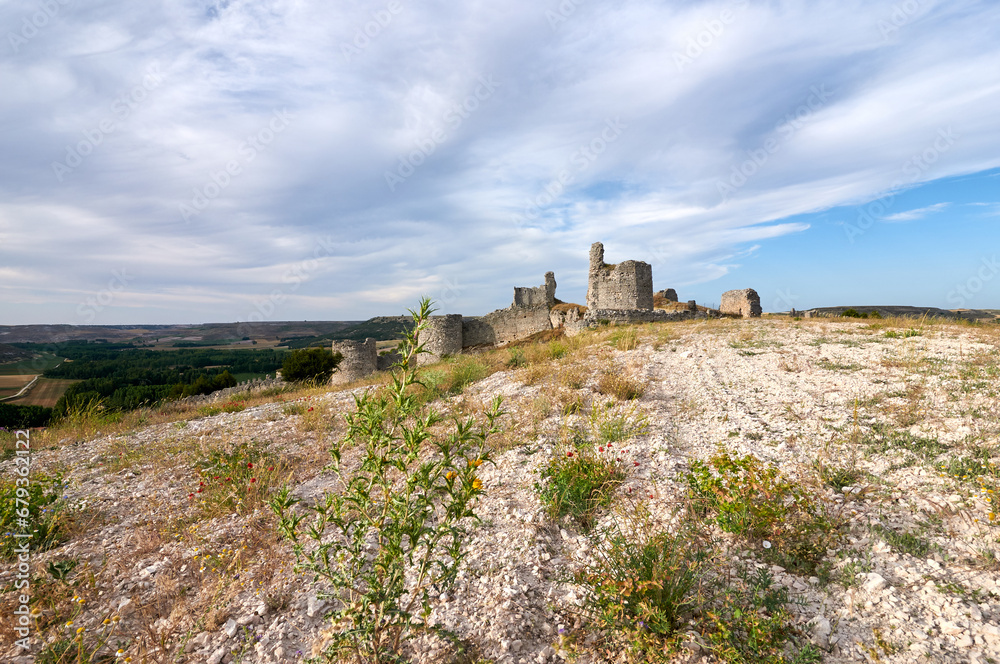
<point x="863" y="528"/>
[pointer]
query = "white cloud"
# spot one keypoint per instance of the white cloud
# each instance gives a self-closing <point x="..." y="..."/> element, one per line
<point x="411" y="90"/>
<point x="918" y="213"/>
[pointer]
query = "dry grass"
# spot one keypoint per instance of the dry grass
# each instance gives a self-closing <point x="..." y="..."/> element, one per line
<point x="620" y="386"/>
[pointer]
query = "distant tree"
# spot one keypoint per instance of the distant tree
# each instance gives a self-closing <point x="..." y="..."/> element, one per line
<point x="315" y="364"/>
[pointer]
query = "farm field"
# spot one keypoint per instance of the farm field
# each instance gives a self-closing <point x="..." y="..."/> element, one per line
<point x="33" y="367"/>
<point x="46" y="391"/>
<point x="10" y="385"/>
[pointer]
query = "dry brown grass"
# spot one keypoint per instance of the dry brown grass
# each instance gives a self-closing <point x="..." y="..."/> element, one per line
<point x="620" y="386"/>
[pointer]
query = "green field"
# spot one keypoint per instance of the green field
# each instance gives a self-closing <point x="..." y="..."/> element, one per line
<point x="44" y="362"/>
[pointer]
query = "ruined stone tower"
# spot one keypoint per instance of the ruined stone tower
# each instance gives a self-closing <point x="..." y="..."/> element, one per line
<point x="443" y="336"/>
<point x="626" y="286"/>
<point x="360" y="359"/>
<point x="744" y="303"/>
<point x="540" y="296"/>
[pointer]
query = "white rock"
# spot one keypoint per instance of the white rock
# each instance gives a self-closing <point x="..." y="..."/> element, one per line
<point x="950" y="628"/>
<point x="875" y="582"/>
<point x="314" y="606"/>
<point x="964" y="641"/>
<point x="820" y="628"/>
<point x="217" y="656"/>
<point x="230" y="628"/>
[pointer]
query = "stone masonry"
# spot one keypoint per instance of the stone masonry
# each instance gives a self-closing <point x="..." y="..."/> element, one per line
<point x="744" y="303"/>
<point x="443" y="336"/>
<point x="360" y="359"/>
<point x="626" y="286"/>
<point x="540" y="296"/>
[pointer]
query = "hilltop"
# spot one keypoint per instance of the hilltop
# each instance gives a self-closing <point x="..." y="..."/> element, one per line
<point x="886" y="429"/>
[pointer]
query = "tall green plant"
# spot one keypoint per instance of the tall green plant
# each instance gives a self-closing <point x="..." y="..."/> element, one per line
<point x="398" y="523"/>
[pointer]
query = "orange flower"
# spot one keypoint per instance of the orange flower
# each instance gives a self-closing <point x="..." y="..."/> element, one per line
<point x="476" y="484"/>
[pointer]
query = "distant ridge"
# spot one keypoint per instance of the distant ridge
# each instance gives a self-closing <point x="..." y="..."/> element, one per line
<point x="914" y="312"/>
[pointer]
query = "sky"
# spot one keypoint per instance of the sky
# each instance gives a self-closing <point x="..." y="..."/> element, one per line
<point x="233" y="161"/>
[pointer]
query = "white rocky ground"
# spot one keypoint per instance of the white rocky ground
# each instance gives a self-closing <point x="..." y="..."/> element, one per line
<point x="789" y="393"/>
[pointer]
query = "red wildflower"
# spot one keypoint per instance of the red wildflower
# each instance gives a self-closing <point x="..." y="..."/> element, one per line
<point x="271" y="468"/>
<point x="569" y="454"/>
<point x="635" y="463"/>
<point x="200" y="489"/>
<point x="600" y="449"/>
<point x="190" y="496"/>
<point x="249" y="465"/>
<point x="252" y="480"/>
<point x="309" y="410"/>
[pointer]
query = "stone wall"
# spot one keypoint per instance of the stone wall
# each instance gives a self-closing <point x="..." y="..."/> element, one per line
<point x="625" y="286"/>
<point x="245" y="389"/>
<point x="386" y="359"/>
<point x="540" y="296"/>
<point x="443" y="336"/>
<point x="360" y="359"/>
<point x="668" y="294"/>
<point x="744" y="303"/>
<point x="570" y="317"/>
<point x="596" y="317"/>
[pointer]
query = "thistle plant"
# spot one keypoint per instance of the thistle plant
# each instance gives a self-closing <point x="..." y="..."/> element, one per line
<point x="397" y="524"/>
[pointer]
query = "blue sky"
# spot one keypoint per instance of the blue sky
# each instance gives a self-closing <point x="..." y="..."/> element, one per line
<point x="181" y="162"/>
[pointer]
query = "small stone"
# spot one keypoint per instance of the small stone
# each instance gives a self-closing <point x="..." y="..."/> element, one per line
<point x="964" y="641"/>
<point x="230" y="628"/>
<point x="217" y="656"/>
<point x="875" y="582"/>
<point x="314" y="606"/>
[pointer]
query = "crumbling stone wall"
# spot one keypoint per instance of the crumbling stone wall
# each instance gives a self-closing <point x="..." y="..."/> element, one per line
<point x="570" y="317"/>
<point x="625" y="286"/>
<point x="744" y="303"/>
<point x="360" y="359"/>
<point x="668" y="294"/>
<point x="386" y="359"/>
<point x="443" y="336"/>
<point x="540" y="296"/>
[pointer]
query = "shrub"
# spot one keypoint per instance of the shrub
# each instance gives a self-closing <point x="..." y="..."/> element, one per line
<point x="397" y="525"/>
<point x="39" y="500"/>
<point x="749" y="498"/>
<point x="610" y="424"/>
<point x="309" y="364"/>
<point x="620" y="386"/>
<point x="648" y="588"/>
<point x="853" y="313"/>
<point x="643" y="583"/>
<point x="237" y="480"/>
<point x="578" y="481"/>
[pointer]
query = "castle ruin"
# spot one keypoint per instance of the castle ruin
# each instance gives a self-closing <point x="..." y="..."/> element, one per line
<point x="616" y="294"/>
<point x="626" y="286"/>
<point x="743" y="303"/>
